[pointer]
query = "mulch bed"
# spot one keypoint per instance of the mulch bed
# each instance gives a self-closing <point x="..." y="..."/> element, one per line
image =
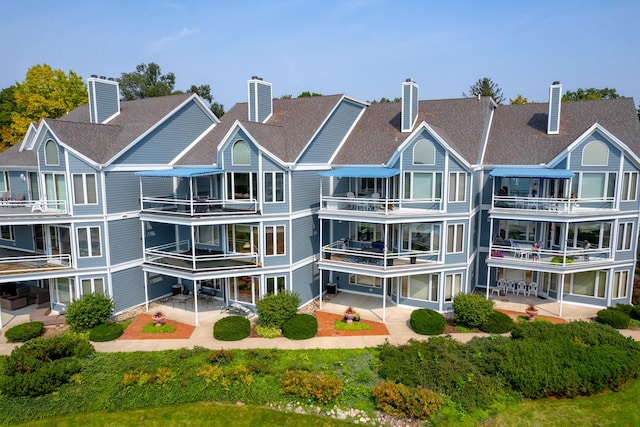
<point x="327" y="327"/>
<point x="134" y="330"/>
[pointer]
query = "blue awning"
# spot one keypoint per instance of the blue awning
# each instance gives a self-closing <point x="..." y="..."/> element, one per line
<point x="362" y="172"/>
<point x="531" y="172"/>
<point x="181" y="172"/>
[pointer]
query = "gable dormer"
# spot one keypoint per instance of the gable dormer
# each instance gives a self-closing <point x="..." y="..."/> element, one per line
<point x="409" y="105"/>
<point x="260" y="100"/>
<point x="555" y="97"/>
<point x="104" y="99"/>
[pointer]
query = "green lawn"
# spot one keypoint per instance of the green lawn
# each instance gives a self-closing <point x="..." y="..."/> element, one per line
<point x="196" y="414"/>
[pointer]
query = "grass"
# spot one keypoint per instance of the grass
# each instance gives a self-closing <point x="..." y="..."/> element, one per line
<point x="203" y="413"/>
<point x="151" y="328"/>
<point x="341" y="325"/>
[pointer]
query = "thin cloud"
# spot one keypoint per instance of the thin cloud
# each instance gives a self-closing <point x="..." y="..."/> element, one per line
<point x="168" y="40"/>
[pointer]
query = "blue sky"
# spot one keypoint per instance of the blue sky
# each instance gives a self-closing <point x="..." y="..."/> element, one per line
<point x="363" y="48"/>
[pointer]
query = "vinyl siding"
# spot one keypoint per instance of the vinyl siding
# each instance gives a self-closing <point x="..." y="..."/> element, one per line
<point x="227" y="153"/>
<point x="169" y="139"/>
<point x="305" y="237"/>
<point x="125" y="240"/>
<point x="306" y="282"/>
<point x="332" y="133"/>
<point x="103" y="100"/>
<point x="123" y="192"/>
<point x="77" y="166"/>
<point x="61" y="166"/>
<point x="128" y="289"/>
<point x="305" y="190"/>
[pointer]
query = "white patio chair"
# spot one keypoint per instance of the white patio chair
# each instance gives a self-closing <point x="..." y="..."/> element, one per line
<point x="499" y="287"/>
<point x="510" y="285"/>
<point x="522" y="286"/>
<point x="375" y="202"/>
<point x="532" y="289"/>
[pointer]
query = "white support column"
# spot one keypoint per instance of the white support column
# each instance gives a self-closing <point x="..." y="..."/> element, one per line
<point x="146" y="292"/>
<point x="195" y="298"/>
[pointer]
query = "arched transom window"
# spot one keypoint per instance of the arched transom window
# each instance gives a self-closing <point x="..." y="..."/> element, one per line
<point x="240" y="153"/>
<point x="424" y="153"/>
<point x="595" y="153"/>
<point x="51" y="153"/>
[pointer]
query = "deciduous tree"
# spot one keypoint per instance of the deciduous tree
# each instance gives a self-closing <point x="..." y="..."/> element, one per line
<point x="486" y="87"/>
<point x="146" y="82"/>
<point x="519" y="100"/>
<point x="45" y="92"/>
<point x="7" y="106"/>
<point x="590" y="94"/>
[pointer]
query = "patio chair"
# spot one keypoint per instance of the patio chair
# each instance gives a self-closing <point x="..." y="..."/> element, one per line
<point x="522" y="286"/>
<point x="351" y="198"/>
<point x="497" y="289"/>
<point x="510" y="285"/>
<point x="375" y="202"/>
<point x="533" y="289"/>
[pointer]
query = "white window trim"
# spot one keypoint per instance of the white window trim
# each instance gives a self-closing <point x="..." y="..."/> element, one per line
<point x="5" y="182"/>
<point x="92" y="281"/>
<point x="275" y="284"/>
<point x="593" y="144"/>
<point x="453" y="278"/>
<point x="458" y="228"/>
<point x="85" y="193"/>
<point x="627" y="179"/>
<point x="434" y="185"/>
<point x="275" y="240"/>
<point x="231" y="175"/>
<point x="623" y="243"/>
<point x="431" y="286"/>
<point x="619" y="284"/>
<point x="89" y="242"/>
<point x="274" y="191"/>
<point x="12" y="233"/>
<point x="422" y="142"/>
<point x="215" y="235"/>
<point x="453" y="198"/>
<point x="354" y="279"/>
<point x="233" y="151"/>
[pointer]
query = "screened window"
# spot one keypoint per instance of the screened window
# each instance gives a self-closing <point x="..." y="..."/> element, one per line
<point x="421" y="237"/>
<point x="274" y="240"/>
<point x="93" y="286"/>
<point x="598" y="185"/>
<point x="276" y="284"/>
<point x="4" y="183"/>
<point x="630" y="186"/>
<point x="588" y="283"/>
<point x="595" y="153"/>
<point x="51" y="153"/>
<point x="89" y="242"/>
<point x="423" y="185"/>
<point x="420" y="286"/>
<point x="364" y="280"/>
<point x="452" y="286"/>
<point x="620" y="280"/>
<point x="242" y="186"/>
<point x="208" y="235"/>
<point x="7" y="232"/>
<point x="457" y="186"/>
<point x="241" y="154"/>
<point x="455" y="237"/>
<point x="625" y="233"/>
<point x="84" y="189"/>
<point x="424" y="153"/>
<point x="62" y="292"/>
<point x="274" y="187"/>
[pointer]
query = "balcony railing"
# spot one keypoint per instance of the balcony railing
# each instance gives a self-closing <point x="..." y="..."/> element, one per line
<point x="339" y="252"/>
<point x="33" y="263"/>
<point x="182" y="257"/>
<point x="198" y="207"/>
<point x="517" y="253"/>
<point x="376" y="205"/>
<point x="553" y="205"/>
<point x="33" y="207"/>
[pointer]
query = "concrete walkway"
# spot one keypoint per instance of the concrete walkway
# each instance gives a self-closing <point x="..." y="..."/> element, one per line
<point x="370" y="308"/>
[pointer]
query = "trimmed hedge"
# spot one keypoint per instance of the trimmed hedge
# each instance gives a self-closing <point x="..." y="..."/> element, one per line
<point x="471" y="310"/>
<point x="275" y="309"/>
<point x="232" y="328"/>
<point x="24" y="332"/>
<point x="613" y="317"/>
<point x="635" y="312"/>
<point x="300" y="327"/>
<point x="427" y="322"/>
<point x="498" y="323"/>
<point x="106" y="332"/>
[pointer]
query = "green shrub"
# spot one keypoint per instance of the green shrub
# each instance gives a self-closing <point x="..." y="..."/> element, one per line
<point x="625" y="308"/>
<point x="232" y="328"/>
<point x="471" y="309"/>
<point x="342" y="325"/>
<point x="268" y="331"/>
<point x="317" y="386"/>
<point x="558" y="260"/>
<point x="614" y="318"/>
<point x="498" y="323"/>
<point x="89" y="311"/>
<point x="402" y="401"/>
<point x="106" y="332"/>
<point x="40" y="366"/>
<point x="221" y="356"/>
<point x="275" y="309"/>
<point x="635" y="312"/>
<point x="24" y="332"/>
<point x="427" y="322"/>
<point x="300" y="327"/>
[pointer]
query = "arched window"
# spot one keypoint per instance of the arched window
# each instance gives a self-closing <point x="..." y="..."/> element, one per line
<point x="241" y="154"/>
<point x="595" y="153"/>
<point x="424" y="153"/>
<point x="51" y="153"/>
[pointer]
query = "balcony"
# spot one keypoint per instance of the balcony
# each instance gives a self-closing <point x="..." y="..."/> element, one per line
<point x="377" y="258"/>
<point x="373" y="204"/>
<point x="551" y="206"/>
<point x="571" y="257"/>
<point x="17" y="262"/>
<point x="181" y="256"/>
<point x="14" y="208"/>
<point x="200" y="207"/>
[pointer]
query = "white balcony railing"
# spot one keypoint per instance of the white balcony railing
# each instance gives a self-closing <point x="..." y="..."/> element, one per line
<point x="199" y="207"/>
<point x="376" y="205"/>
<point x="519" y="252"/>
<point x="339" y="252"/>
<point x="33" y="263"/>
<point x="180" y="256"/>
<point x="553" y="205"/>
<point x="33" y="207"/>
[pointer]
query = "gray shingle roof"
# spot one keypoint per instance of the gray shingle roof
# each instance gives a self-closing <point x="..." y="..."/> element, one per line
<point x="519" y="132"/>
<point x="377" y="135"/>
<point x="286" y="133"/>
<point x="12" y="157"/>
